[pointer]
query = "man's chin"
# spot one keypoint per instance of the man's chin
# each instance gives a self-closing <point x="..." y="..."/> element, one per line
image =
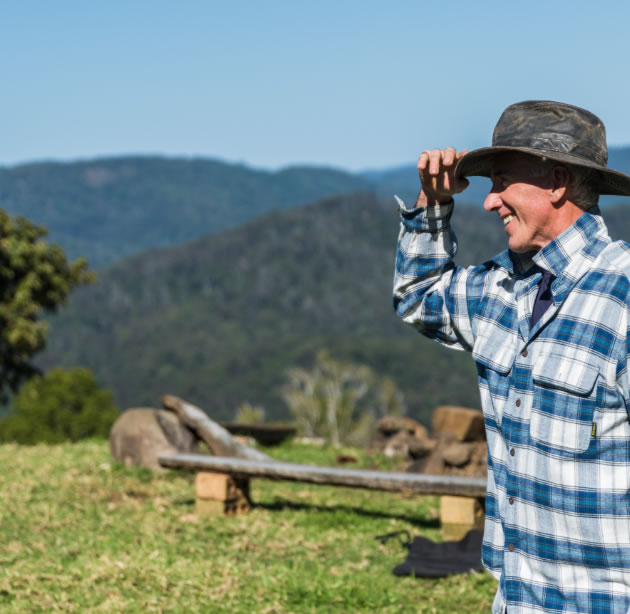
<point x="518" y="248"/>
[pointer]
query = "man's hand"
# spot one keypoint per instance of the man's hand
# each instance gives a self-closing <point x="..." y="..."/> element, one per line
<point x="436" y="169"/>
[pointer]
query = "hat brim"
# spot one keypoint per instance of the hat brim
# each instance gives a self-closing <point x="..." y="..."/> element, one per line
<point x="478" y="163"/>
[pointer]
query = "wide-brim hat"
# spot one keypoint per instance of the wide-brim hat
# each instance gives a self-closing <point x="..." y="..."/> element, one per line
<point x="552" y="130"/>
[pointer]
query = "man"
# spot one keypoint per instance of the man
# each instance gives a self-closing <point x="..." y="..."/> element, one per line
<point x="547" y="322"/>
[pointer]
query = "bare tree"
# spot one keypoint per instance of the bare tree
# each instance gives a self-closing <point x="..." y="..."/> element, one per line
<point x="339" y="400"/>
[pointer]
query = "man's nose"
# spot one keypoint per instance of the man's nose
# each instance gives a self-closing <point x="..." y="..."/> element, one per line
<point x="492" y="202"/>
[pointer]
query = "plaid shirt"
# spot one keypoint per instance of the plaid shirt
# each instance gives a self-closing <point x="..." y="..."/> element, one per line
<point x="555" y="401"/>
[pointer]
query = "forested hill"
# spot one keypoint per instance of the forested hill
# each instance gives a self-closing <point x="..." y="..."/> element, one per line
<point x="109" y="208"/>
<point x="219" y="320"/>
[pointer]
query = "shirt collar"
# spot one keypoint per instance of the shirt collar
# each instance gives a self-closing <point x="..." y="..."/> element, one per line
<point x="569" y="255"/>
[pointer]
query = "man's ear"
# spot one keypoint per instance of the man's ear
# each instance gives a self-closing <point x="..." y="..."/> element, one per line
<point x="560" y="180"/>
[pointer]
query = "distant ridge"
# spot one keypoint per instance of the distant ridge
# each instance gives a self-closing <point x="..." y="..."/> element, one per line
<point x="109" y="208"/>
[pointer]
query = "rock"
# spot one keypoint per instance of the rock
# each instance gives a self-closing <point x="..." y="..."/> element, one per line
<point x="140" y="435"/>
<point x="457" y="454"/>
<point x="390" y="425"/>
<point x="463" y="423"/>
<point x="421" y="447"/>
<point x="398" y="445"/>
<point x="433" y="464"/>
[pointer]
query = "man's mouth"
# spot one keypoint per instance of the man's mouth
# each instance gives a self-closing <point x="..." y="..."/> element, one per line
<point x="507" y="219"/>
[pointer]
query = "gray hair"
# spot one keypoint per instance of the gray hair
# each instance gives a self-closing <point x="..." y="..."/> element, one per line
<point x="584" y="181"/>
<point x="584" y="186"/>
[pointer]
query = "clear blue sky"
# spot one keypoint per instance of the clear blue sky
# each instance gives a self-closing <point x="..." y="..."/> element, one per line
<point x="356" y="84"/>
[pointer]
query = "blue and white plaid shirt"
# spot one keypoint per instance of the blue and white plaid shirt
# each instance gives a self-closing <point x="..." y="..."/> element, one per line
<point x="555" y="399"/>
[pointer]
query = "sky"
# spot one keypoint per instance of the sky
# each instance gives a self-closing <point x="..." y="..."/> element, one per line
<point x="273" y="83"/>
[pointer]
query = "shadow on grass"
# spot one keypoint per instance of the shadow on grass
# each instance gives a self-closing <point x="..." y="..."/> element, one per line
<point x="284" y="504"/>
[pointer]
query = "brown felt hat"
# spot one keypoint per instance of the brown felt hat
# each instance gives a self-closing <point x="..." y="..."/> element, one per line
<point x="553" y="130"/>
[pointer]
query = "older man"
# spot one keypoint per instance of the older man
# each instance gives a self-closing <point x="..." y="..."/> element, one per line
<point x="548" y="325"/>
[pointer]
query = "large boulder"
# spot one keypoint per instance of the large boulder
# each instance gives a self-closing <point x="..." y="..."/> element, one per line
<point x="463" y="423"/>
<point x="391" y="425"/>
<point x="140" y="435"/>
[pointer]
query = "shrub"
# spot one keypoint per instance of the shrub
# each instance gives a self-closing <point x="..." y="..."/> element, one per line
<point x="63" y="405"/>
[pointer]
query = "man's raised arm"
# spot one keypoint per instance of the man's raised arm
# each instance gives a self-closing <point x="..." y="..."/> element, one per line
<point x="430" y="292"/>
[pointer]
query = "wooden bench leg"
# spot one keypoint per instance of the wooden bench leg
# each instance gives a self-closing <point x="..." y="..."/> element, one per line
<point x="459" y="515"/>
<point x="218" y="494"/>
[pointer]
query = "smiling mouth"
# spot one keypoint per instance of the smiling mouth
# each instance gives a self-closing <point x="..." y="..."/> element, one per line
<point x="507" y="219"/>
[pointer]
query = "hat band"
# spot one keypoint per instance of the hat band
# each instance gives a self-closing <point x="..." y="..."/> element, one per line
<point x="555" y="145"/>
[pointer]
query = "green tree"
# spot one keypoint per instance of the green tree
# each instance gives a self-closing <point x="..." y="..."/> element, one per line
<point x="35" y="276"/>
<point x="340" y="401"/>
<point x="63" y="405"/>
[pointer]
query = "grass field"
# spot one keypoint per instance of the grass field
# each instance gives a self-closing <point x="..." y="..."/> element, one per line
<point x="80" y="533"/>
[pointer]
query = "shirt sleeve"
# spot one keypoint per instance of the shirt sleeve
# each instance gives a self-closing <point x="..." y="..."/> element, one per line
<point x="431" y="294"/>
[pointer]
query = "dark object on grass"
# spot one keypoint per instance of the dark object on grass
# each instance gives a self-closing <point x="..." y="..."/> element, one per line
<point x="264" y="434"/>
<point x="427" y="559"/>
<point x="345" y="459"/>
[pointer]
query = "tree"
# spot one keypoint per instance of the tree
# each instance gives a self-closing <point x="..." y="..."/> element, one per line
<point x="35" y="276"/>
<point x="339" y="400"/>
<point x="63" y="405"/>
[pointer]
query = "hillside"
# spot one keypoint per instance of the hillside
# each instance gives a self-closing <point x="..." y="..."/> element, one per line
<point x="219" y="320"/>
<point x="109" y="208"/>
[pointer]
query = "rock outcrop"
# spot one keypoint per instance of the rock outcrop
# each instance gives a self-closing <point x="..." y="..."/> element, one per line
<point x="140" y="435"/>
<point x="457" y="445"/>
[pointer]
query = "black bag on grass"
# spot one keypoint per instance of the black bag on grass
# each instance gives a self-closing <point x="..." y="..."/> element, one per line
<point x="427" y="559"/>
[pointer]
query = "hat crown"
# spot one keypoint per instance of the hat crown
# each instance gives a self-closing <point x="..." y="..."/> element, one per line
<point x="552" y="127"/>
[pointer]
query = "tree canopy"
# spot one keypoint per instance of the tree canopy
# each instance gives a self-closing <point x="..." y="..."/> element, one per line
<point x="35" y="277"/>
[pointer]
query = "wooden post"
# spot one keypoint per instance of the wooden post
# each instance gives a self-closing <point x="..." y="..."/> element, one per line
<point x="459" y="515"/>
<point x="219" y="493"/>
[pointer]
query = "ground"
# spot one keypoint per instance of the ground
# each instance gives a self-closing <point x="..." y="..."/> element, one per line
<point x="81" y="533"/>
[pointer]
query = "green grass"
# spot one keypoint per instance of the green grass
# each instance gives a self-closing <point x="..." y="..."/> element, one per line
<point x="80" y="533"/>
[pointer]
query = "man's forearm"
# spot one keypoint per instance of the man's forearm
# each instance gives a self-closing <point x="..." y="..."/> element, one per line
<point x="429" y="291"/>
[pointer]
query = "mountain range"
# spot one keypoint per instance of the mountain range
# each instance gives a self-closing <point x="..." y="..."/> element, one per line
<point x="220" y="318"/>
<point x="110" y="208"/>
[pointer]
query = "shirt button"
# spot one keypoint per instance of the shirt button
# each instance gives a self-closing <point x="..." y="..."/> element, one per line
<point x="524" y="353"/>
<point x="511" y="500"/>
<point x="511" y="547"/>
<point x="512" y="452"/>
<point x="518" y="403"/>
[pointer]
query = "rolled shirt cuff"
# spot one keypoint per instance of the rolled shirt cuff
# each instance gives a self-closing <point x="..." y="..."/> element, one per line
<point x="428" y="219"/>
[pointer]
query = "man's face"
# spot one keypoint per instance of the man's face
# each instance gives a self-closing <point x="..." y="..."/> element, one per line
<point x="522" y="202"/>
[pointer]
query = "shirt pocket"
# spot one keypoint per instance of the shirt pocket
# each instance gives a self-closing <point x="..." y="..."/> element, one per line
<point x="564" y="403"/>
<point x="495" y="352"/>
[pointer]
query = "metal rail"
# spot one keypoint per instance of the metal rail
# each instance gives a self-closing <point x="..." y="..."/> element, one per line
<point x="332" y="476"/>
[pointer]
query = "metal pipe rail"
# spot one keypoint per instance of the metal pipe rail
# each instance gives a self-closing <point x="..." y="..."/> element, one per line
<point x="331" y="476"/>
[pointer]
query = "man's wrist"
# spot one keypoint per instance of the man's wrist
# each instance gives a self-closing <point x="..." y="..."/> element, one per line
<point x="432" y="200"/>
